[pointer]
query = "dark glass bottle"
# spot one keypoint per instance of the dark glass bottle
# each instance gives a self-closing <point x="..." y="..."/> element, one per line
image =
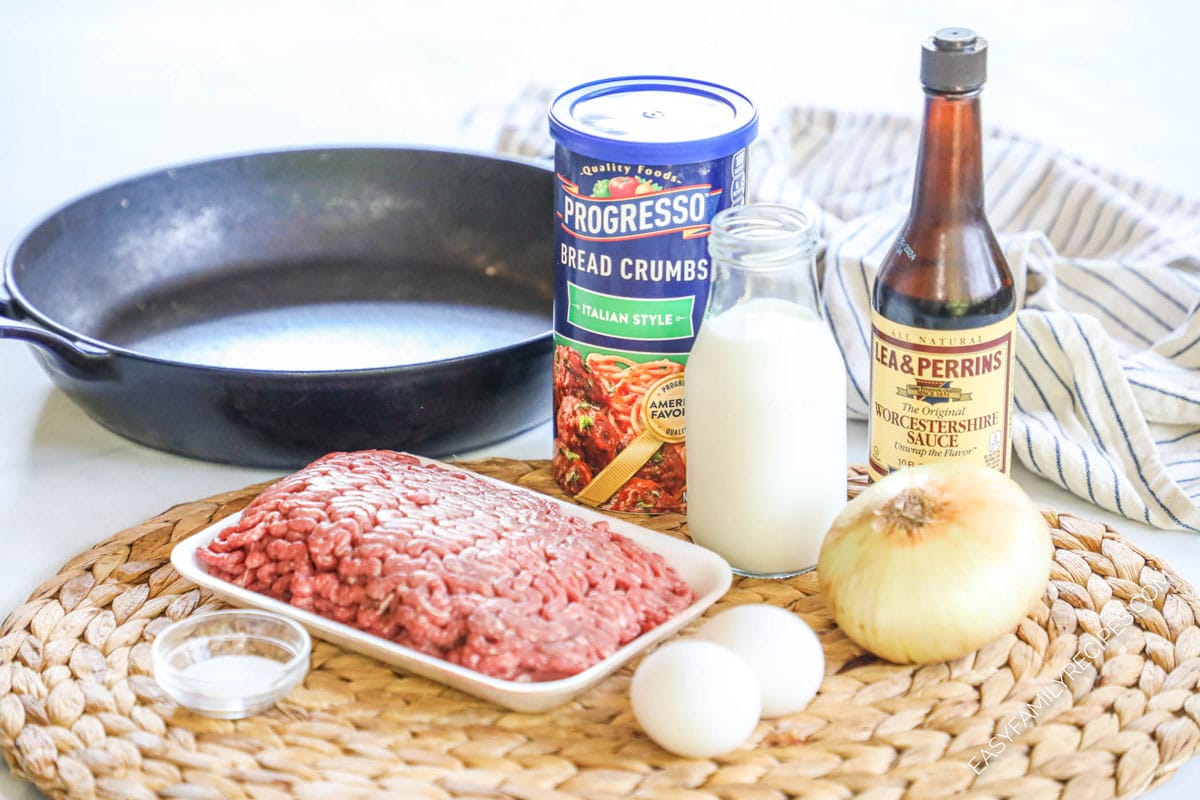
<point x="943" y="304"/>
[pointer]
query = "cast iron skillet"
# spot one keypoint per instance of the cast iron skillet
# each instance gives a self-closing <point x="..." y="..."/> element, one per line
<point x="266" y="309"/>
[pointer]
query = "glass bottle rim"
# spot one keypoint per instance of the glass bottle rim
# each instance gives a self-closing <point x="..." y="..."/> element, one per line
<point x="762" y="236"/>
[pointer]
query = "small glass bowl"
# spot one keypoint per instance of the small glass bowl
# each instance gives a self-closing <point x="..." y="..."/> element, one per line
<point x="231" y="664"/>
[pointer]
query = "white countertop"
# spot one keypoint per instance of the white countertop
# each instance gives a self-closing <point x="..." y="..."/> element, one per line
<point x="95" y="92"/>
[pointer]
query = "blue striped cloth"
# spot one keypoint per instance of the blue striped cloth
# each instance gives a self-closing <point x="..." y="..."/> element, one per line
<point x="1107" y="383"/>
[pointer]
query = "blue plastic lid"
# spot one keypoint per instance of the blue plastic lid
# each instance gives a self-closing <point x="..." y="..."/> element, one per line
<point x="653" y="119"/>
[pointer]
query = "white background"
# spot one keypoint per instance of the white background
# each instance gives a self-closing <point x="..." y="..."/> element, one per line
<point x="91" y="92"/>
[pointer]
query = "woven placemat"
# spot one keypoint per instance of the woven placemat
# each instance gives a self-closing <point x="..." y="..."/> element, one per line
<point x="1094" y="696"/>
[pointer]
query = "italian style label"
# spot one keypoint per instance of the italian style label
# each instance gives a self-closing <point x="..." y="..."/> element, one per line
<point x="650" y="319"/>
<point x="940" y="395"/>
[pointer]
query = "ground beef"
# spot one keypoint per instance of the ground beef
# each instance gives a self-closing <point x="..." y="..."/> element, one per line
<point x="497" y="579"/>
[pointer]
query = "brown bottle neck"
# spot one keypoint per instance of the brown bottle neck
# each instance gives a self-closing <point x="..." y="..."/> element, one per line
<point x="949" y="180"/>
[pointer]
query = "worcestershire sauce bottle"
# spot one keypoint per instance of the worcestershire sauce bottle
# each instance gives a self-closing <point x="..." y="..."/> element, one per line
<point x="944" y="308"/>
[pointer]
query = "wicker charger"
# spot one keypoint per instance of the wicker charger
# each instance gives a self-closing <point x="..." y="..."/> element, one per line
<point x="1094" y="696"/>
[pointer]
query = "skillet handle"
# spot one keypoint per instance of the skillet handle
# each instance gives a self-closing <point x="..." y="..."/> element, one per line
<point x="79" y="355"/>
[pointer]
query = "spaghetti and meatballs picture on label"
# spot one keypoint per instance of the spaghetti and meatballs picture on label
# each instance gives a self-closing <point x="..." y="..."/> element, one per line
<point x="600" y="401"/>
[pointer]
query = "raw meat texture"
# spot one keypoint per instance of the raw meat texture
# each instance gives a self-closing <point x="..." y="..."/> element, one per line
<point x="496" y="579"/>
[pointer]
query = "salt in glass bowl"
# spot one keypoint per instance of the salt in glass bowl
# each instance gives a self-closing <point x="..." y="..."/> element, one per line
<point x="231" y="664"/>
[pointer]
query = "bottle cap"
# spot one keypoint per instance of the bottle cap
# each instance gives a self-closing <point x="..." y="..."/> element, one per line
<point x="954" y="60"/>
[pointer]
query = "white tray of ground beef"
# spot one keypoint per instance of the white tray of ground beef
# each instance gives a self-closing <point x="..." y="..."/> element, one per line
<point x="504" y="593"/>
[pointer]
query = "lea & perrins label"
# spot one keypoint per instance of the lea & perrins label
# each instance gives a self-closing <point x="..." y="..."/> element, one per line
<point x="940" y="395"/>
<point x="642" y="166"/>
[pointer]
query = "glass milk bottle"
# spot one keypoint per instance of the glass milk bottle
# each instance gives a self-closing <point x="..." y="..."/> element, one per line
<point x="765" y="399"/>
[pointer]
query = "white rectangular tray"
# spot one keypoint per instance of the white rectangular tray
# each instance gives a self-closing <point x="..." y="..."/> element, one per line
<point x="705" y="572"/>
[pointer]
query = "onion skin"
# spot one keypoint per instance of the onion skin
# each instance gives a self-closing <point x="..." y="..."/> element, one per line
<point x="933" y="562"/>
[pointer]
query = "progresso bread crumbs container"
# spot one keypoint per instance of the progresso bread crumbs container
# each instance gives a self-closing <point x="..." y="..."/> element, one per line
<point x="643" y="165"/>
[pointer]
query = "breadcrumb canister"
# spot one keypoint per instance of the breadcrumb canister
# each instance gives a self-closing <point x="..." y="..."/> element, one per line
<point x="643" y="164"/>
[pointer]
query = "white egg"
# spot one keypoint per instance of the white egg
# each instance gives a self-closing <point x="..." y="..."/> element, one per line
<point x="783" y="652"/>
<point x="695" y="698"/>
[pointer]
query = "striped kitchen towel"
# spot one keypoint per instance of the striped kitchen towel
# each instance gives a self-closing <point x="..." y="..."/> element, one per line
<point x="1107" y="384"/>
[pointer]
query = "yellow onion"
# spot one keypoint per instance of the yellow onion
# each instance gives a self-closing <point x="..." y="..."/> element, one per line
<point x="933" y="562"/>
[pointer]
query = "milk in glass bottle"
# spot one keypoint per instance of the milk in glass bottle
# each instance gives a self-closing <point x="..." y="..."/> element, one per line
<point x="765" y="399"/>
